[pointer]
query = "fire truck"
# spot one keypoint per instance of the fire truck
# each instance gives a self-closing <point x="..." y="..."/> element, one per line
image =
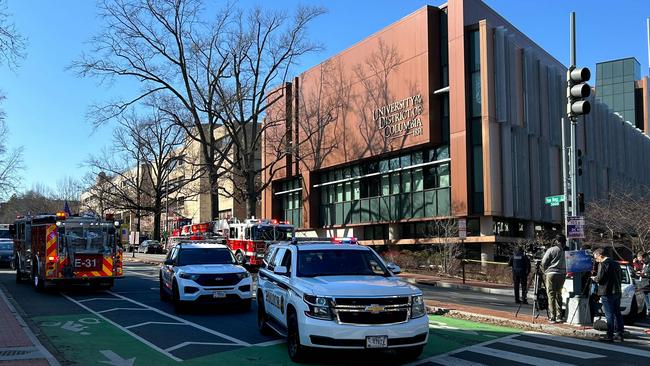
<point x="56" y="249"/>
<point x="250" y="239"/>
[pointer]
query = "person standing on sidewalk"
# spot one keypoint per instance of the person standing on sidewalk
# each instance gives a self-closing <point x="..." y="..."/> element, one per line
<point x="609" y="289"/>
<point x="520" y="269"/>
<point x="554" y="267"/>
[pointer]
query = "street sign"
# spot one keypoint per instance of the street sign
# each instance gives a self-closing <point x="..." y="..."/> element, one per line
<point x="554" y="200"/>
<point x="578" y="261"/>
<point x="462" y="229"/>
<point x="575" y="227"/>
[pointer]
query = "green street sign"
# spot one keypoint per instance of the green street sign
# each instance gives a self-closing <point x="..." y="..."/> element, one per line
<point x="554" y="200"/>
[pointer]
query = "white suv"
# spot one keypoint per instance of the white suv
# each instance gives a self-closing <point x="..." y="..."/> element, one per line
<point x="339" y="296"/>
<point x="204" y="272"/>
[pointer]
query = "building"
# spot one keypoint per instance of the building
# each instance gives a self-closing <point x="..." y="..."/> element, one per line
<point x="619" y="85"/>
<point x="451" y="112"/>
<point x="188" y="197"/>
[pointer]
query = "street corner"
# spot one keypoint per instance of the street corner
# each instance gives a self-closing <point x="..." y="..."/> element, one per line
<point x="87" y="340"/>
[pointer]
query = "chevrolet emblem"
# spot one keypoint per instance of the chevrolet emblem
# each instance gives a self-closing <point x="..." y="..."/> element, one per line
<point x="375" y="308"/>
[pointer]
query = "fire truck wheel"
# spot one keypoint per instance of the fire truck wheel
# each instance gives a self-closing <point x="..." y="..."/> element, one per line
<point x="239" y="257"/>
<point x="262" y="325"/>
<point x="19" y="276"/>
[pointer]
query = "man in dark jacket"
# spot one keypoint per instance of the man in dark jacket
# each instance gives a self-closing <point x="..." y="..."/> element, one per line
<point x="520" y="269"/>
<point x="609" y="290"/>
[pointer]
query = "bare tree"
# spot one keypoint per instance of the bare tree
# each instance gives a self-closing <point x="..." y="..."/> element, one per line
<point x="446" y="232"/>
<point x="12" y="43"/>
<point x="206" y="75"/>
<point x="140" y="171"/>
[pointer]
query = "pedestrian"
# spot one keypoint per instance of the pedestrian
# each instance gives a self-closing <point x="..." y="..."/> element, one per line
<point x="609" y="288"/>
<point x="520" y="269"/>
<point x="554" y="267"/>
<point x="645" y="276"/>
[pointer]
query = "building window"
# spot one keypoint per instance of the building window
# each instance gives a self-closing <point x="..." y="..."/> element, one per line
<point x="360" y="194"/>
<point x="475" y="123"/>
<point x="290" y="195"/>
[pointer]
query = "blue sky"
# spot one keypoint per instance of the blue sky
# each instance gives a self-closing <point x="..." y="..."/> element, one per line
<point x="46" y="104"/>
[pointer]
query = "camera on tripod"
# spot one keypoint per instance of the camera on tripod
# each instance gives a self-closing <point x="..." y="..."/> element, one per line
<point x="535" y="252"/>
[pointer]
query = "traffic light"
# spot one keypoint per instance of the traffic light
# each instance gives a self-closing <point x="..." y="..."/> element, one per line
<point x="578" y="89"/>
<point x="581" y="202"/>
<point x="579" y="162"/>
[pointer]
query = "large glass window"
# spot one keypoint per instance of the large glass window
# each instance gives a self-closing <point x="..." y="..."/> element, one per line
<point x="290" y="195"/>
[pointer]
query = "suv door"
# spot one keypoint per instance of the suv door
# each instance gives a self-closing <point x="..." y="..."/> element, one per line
<point x="273" y="297"/>
<point x="167" y="270"/>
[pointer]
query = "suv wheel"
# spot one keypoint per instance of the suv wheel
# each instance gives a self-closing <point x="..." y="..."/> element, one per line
<point x="262" y="324"/>
<point x="410" y="353"/>
<point x="297" y="352"/>
<point x="164" y="296"/>
<point x="176" y="298"/>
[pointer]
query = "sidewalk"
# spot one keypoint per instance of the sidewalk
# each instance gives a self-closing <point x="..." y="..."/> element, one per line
<point x="448" y="282"/>
<point x="18" y="344"/>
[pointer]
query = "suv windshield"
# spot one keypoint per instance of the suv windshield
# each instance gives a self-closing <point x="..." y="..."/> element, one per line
<point x="272" y="232"/>
<point x="5" y="234"/>
<point x="189" y="256"/>
<point x="6" y="246"/>
<point x="339" y="262"/>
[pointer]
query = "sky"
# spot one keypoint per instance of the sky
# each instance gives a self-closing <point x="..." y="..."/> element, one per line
<point x="46" y="103"/>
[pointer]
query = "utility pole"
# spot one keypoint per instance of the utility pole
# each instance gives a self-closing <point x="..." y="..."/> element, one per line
<point x="577" y="91"/>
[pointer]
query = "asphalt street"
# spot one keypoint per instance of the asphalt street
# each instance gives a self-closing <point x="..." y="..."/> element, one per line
<point x="130" y="325"/>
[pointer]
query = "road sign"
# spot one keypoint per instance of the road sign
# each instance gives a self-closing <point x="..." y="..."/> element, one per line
<point x="462" y="229"/>
<point x="554" y="200"/>
<point x="578" y="261"/>
<point x="575" y="227"/>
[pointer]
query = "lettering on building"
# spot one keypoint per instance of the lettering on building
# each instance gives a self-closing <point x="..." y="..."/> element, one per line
<point x="400" y="118"/>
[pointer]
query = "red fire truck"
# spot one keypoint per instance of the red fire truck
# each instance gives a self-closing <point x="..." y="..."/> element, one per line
<point x="250" y="239"/>
<point x="55" y="249"/>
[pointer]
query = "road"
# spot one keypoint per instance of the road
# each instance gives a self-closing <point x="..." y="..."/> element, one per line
<point x="129" y="325"/>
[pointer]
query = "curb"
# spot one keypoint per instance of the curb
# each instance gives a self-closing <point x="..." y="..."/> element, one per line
<point x="541" y="327"/>
<point x="486" y="290"/>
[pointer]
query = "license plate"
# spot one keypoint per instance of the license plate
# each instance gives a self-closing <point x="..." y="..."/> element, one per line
<point x="219" y="295"/>
<point x="376" y="341"/>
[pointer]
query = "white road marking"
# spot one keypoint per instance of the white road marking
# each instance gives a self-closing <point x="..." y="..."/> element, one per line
<point x="197" y="326"/>
<point x="552" y="349"/>
<point x="114" y="309"/>
<point x="450" y="360"/>
<point x="100" y="298"/>
<point x="270" y="343"/>
<point x="468" y="348"/>
<point x="147" y="323"/>
<point x="115" y="359"/>
<point x="516" y="357"/>
<point x="181" y="345"/>
<point x="610" y="347"/>
<point x="153" y="346"/>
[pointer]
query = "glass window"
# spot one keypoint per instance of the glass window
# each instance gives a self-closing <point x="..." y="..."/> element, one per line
<point x="192" y="256"/>
<point x="339" y="192"/>
<point x="617" y="69"/>
<point x="385" y="185"/>
<point x="394" y="183"/>
<point x="347" y="191"/>
<point x="405" y="161"/>
<point x="383" y="166"/>
<point x="629" y="100"/>
<point x="417" y="158"/>
<point x="476" y="94"/>
<point x="394" y="163"/>
<point x="444" y="208"/>
<point x="365" y="210"/>
<point x="356" y="190"/>
<point x="607" y="70"/>
<point x="406" y="181"/>
<point x="418" y="180"/>
<point x="430" y="177"/>
<point x="443" y="175"/>
<point x="442" y="152"/>
<point x="418" y="204"/>
<point x="373" y="186"/>
<point x="628" y="67"/>
<point x="339" y="214"/>
<point x="430" y="203"/>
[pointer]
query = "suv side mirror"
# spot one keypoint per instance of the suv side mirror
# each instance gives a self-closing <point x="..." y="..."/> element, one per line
<point x="281" y="270"/>
<point x="393" y="268"/>
<point x="169" y="262"/>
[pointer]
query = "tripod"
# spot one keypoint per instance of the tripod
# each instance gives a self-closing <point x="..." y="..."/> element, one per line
<point x="540" y="301"/>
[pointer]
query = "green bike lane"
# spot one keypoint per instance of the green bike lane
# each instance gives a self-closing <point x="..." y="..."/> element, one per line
<point x="85" y="339"/>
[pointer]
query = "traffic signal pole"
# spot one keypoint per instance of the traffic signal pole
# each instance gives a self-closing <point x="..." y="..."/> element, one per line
<point x="573" y="123"/>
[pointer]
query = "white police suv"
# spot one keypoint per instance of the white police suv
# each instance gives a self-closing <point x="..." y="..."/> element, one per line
<point x="339" y="296"/>
<point x="203" y="272"/>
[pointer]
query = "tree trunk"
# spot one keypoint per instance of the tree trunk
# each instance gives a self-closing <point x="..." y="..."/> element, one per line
<point x="156" y="225"/>
<point x="213" y="176"/>
<point x="251" y="196"/>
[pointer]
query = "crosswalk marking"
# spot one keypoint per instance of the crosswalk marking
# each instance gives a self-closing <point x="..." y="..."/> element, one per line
<point x="575" y="341"/>
<point x="450" y="360"/>
<point x="516" y="357"/>
<point x="552" y="349"/>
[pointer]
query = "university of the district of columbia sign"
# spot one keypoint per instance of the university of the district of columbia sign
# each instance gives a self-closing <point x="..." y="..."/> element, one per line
<point x="400" y="118"/>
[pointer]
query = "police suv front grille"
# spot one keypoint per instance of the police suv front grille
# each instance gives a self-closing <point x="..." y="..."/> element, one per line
<point x="346" y="301"/>
<point x="387" y="317"/>
<point x="228" y="279"/>
<point x="372" y="311"/>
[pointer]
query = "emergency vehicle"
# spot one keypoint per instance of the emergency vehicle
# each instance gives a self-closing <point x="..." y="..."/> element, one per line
<point x="55" y="249"/>
<point x="250" y="239"/>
